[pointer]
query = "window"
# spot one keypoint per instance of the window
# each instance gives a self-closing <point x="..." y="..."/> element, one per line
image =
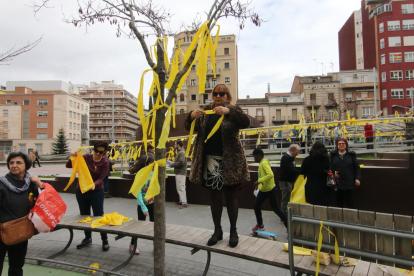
<point x="408" y="24"/>
<point x="246" y="111"/>
<point x="227" y="80"/>
<point x="367" y="111"/>
<point x="227" y="51"/>
<point x="409" y="56"/>
<point x="193" y="82"/>
<point x="70" y="135"/>
<point x="5" y="124"/>
<point x="8" y="101"/>
<point x="381" y="27"/>
<point x="394" y="41"/>
<point x="348" y="96"/>
<point x="395" y="58"/>
<point x="396" y="75"/>
<point x="182" y="111"/>
<point x="42" y="125"/>
<point x="410" y="92"/>
<point x="182" y="98"/>
<point x="78" y="136"/>
<point x="397" y="93"/>
<point x="408" y="40"/>
<point x="70" y="101"/>
<point x="351" y="112"/>
<point x="78" y="126"/>
<point x="394" y="25"/>
<point x="193" y="68"/>
<point x="382" y="43"/>
<point x="5" y="112"/>
<point x="384" y="94"/>
<point x="26" y="102"/>
<point x="70" y="125"/>
<point x="193" y="97"/>
<point x="42" y="113"/>
<point x="39" y="148"/>
<point x="42" y="136"/>
<point x="409" y="74"/>
<point x="226" y="65"/>
<point x="70" y="114"/>
<point x="407" y="8"/>
<point x="22" y="147"/>
<point x="384" y="76"/>
<point x="42" y="102"/>
<point x="383" y="59"/>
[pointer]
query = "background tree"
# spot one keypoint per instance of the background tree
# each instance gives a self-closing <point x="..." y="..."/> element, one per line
<point x="140" y="19"/>
<point x="61" y="145"/>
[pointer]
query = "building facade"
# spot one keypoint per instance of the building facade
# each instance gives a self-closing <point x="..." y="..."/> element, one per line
<point x="32" y="117"/>
<point x="113" y="112"/>
<point x="188" y="98"/>
<point x="387" y="31"/>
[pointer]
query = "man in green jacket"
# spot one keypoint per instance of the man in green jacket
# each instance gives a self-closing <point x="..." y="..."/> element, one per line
<point x="267" y="189"/>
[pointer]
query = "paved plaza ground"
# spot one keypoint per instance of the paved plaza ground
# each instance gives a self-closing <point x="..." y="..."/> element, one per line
<point x="179" y="260"/>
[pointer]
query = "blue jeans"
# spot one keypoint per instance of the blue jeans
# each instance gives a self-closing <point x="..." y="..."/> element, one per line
<point x="94" y="199"/>
<point x="106" y="184"/>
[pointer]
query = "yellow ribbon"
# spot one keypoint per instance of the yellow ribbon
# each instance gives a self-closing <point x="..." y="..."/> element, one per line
<point x="320" y="246"/>
<point x="84" y="176"/>
<point x="142" y="177"/>
<point x="95" y="265"/>
<point x="85" y="220"/>
<point x="114" y="219"/>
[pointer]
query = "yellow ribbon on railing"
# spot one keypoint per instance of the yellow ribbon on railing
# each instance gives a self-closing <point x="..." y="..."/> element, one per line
<point x="84" y="176"/>
<point x="313" y="114"/>
<point x="170" y="154"/>
<point x="142" y="177"/>
<point x="320" y="246"/>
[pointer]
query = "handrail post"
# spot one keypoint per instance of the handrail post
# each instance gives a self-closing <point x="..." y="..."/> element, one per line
<point x="290" y="243"/>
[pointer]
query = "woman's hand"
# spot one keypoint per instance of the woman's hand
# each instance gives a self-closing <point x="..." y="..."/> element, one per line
<point x="74" y="154"/>
<point x="256" y="185"/>
<point x="146" y="214"/>
<point x="220" y="110"/>
<point x="336" y="175"/>
<point x="197" y="114"/>
<point x="37" y="181"/>
<point x="357" y="182"/>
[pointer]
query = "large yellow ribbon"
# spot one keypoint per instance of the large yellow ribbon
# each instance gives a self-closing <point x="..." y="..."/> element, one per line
<point x="142" y="177"/>
<point x="84" y="176"/>
<point x="114" y="219"/>
<point x="320" y="246"/>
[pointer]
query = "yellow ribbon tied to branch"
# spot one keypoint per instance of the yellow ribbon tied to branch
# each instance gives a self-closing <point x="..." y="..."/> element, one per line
<point x="215" y="128"/>
<point x="114" y="219"/>
<point x="84" y="176"/>
<point x="142" y="177"/>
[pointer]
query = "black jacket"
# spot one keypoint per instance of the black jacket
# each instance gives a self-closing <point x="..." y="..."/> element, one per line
<point x="347" y="168"/>
<point x="288" y="170"/>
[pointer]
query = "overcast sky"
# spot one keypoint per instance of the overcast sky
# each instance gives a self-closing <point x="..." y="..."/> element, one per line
<point x="297" y="33"/>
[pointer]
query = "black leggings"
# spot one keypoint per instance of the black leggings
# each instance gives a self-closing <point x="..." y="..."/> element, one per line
<point x="142" y="217"/>
<point x="272" y="196"/>
<point x="217" y="206"/>
<point x="17" y="254"/>
<point x="344" y="195"/>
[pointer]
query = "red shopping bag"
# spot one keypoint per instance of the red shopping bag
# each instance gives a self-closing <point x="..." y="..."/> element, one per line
<point x="48" y="210"/>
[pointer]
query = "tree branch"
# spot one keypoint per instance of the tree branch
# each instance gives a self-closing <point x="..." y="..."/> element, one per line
<point x="11" y="54"/>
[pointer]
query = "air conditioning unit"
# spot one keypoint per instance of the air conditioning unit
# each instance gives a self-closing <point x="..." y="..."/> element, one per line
<point x="355" y="75"/>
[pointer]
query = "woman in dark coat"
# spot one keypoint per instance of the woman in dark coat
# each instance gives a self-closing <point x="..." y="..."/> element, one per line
<point x="347" y="172"/>
<point x="219" y="164"/>
<point x="314" y="168"/>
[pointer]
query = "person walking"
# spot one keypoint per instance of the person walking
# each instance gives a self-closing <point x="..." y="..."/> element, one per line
<point x="219" y="163"/>
<point x="180" y="170"/>
<point x="267" y="190"/>
<point x="314" y="168"/>
<point x="33" y="158"/>
<point x="347" y="172"/>
<point x="369" y="135"/>
<point x="288" y="175"/>
<point x="37" y="157"/>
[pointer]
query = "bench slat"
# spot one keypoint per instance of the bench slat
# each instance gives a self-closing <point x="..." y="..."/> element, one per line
<point x="321" y="212"/>
<point x="295" y="225"/>
<point x="308" y="230"/>
<point x="255" y="247"/>
<point x="276" y="250"/>
<point x="351" y="237"/>
<point x="264" y="250"/>
<point x="331" y="269"/>
<point x="335" y="214"/>
<point x="306" y="262"/>
<point x="374" y="270"/>
<point x="361" y="268"/>
<point x="345" y="270"/>
<point x="385" y="243"/>
<point x="403" y="246"/>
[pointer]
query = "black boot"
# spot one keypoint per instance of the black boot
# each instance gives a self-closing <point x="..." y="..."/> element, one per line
<point x="234" y="238"/>
<point x="217" y="236"/>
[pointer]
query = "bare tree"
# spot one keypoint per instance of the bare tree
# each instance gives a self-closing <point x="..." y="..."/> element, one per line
<point x="12" y="53"/>
<point x="139" y="20"/>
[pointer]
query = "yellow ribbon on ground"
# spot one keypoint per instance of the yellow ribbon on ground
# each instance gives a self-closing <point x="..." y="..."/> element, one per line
<point x="297" y="250"/>
<point x="84" y="176"/>
<point x="95" y="265"/>
<point x="320" y="246"/>
<point x="113" y="219"/>
<point x="85" y="220"/>
<point x="142" y="177"/>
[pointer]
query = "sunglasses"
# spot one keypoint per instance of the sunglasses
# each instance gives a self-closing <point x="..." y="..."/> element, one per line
<point x="222" y="94"/>
<point x="16" y="162"/>
<point x="99" y="151"/>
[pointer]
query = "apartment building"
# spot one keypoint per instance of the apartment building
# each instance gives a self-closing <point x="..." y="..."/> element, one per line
<point x="34" y="111"/>
<point x="188" y="98"/>
<point x="113" y="112"/>
<point x="381" y="35"/>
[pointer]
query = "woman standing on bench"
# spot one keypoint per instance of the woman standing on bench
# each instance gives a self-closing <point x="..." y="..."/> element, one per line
<point x="99" y="168"/>
<point x="219" y="163"/>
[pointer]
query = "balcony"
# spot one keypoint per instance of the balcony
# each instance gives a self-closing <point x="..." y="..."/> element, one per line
<point x="331" y="103"/>
<point x="210" y="85"/>
<point x="210" y="72"/>
<point x="260" y="118"/>
<point x="313" y="103"/>
<point x="278" y="120"/>
<point x="294" y="119"/>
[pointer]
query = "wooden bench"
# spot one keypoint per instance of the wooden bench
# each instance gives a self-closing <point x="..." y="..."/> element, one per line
<point x="361" y="233"/>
